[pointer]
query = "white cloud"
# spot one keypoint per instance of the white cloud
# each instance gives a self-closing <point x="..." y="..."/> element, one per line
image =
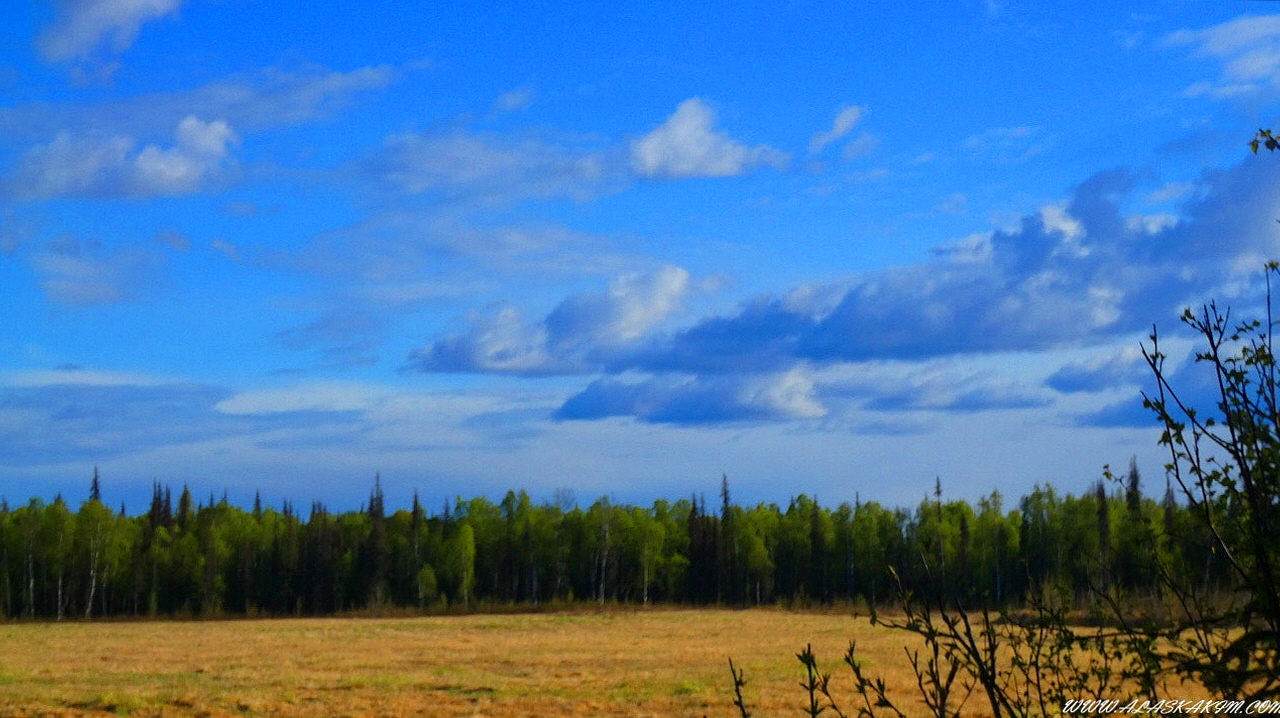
<point x="580" y="335"/>
<point x="88" y="166"/>
<point x="634" y="304"/>
<point x="84" y="27"/>
<point x="201" y="147"/>
<point x="840" y="126"/>
<point x="497" y="341"/>
<point x="688" y="145"/>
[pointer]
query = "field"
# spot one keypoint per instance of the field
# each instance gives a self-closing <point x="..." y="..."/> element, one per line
<point x="611" y="663"/>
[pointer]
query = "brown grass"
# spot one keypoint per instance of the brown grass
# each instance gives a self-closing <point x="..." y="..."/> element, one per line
<point x="613" y="663"/>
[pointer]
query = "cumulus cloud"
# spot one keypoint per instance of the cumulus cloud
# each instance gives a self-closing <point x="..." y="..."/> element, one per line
<point x="840" y="126"/>
<point x="1073" y="275"/>
<point x="633" y="305"/>
<point x="496" y="341"/>
<point x="82" y="28"/>
<point x="95" y="166"/>
<point x="580" y="335"/>
<point x="1069" y="275"/>
<point x="687" y="144"/>
<point x="1248" y="47"/>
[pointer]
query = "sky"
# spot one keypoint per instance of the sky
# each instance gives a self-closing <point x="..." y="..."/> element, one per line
<point x="623" y="250"/>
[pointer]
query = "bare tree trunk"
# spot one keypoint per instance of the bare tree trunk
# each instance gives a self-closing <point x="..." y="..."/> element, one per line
<point x="93" y="586"/>
<point x="93" y="576"/>
<point x="646" y="580"/>
<point x="31" y="579"/>
<point x="604" y="556"/>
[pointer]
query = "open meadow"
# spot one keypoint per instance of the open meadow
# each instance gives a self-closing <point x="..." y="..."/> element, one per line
<point x="581" y="663"/>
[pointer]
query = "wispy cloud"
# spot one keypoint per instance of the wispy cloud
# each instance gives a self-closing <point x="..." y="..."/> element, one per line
<point x="79" y="273"/>
<point x="488" y="167"/>
<point x="1248" y="47"/>
<point x="514" y="100"/>
<point x="844" y="122"/>
<point x="1011" y="145"/>
<point x="95" y="166"/>
<point x="83" y="422"/>
<point x="250" y="102"/>
<point x="82" y="28"/>
<point x="933" y="391"/>
<point x="1125" y="367"/>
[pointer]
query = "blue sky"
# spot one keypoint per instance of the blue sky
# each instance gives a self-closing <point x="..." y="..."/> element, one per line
<point x="615" y="249"/>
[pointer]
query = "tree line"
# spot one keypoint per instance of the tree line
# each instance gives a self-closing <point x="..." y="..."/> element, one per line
<point x="212" y="558"/>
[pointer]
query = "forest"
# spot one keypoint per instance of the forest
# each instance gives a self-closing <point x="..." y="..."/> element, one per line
<point x="211" y="558"/>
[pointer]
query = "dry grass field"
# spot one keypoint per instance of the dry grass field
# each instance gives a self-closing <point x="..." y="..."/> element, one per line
<point x="612" y="663"/>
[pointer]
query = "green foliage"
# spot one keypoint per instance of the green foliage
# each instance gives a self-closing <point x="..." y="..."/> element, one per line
<point x="1225" y="462"/>
<point x="218" y="559"/>
<point x="1264" y="139"/>
<point x="1177" y="593"/>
